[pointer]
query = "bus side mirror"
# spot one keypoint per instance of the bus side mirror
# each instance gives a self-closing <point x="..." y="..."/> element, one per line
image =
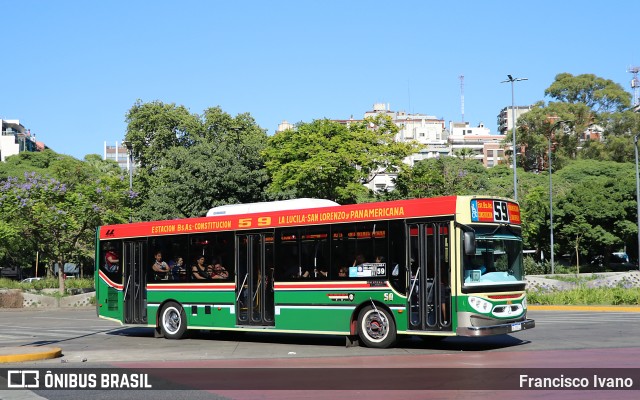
<point x="470" y="243"/>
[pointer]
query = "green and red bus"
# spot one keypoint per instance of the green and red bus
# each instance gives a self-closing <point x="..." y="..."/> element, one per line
<point x="446" y="266"/>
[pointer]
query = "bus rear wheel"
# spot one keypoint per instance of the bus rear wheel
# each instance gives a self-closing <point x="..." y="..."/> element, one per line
<point x="376" y="327"/>
<point x="173" y="321"/>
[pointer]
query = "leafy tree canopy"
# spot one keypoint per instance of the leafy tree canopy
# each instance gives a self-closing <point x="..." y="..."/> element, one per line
<point x="599" y="94"/>
<point x="442" y="176"/>
<point x="326" y="159"/>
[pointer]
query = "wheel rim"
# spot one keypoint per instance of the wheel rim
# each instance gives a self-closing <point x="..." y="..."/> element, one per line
<point x="171" y="320"/>
<point x="375" y="326"/>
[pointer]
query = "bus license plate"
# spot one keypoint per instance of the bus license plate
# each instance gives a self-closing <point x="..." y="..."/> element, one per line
<point x="516" y="327"/>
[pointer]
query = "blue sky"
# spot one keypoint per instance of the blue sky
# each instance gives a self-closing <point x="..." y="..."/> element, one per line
<point x="72" y="69"/>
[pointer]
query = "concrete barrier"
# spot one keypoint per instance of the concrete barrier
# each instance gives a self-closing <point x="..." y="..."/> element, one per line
<point x="16" y="298"/>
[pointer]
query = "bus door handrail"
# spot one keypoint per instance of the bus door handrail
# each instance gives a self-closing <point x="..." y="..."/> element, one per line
<point x="413" y="284"/>
<point x="242" y="286"/>
<point x="126" y="288"/>
<point x="257" y="290"/>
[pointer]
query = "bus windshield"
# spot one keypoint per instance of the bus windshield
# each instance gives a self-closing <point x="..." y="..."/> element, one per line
<point x="497" y="261"/>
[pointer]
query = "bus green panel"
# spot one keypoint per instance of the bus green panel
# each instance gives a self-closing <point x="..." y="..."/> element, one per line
<point x="109" y="301"/>
<point x="191" y="297"/>
<point x="314" y="318"/>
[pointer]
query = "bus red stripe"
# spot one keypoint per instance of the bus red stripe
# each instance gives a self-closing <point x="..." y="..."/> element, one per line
<point x="110" y="282"/>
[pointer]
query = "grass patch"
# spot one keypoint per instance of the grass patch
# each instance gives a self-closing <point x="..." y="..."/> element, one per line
<point x="574" y="278"/>
<point x="583" y="295"/>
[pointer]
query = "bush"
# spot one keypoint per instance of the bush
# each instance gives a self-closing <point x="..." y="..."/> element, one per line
<point x="531" y="267"/>
<point x="85" y="283"/>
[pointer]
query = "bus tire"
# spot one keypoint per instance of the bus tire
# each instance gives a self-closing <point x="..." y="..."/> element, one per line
<point x="173" y="321"/>
<point x="376" y="327"/>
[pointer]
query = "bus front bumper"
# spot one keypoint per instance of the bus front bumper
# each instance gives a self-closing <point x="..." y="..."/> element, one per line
<point x="496" y="329"/>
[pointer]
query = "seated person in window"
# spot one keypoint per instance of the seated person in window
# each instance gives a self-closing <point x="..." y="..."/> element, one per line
<point x="160" y="268"/>
<point x="178" y="269"/>
<point x="199" y="270"/>
<point x="319" y="272"/>
<point x="343" y="273"/>
<point x="111" y="259"/>
<point x="216" y="270"/>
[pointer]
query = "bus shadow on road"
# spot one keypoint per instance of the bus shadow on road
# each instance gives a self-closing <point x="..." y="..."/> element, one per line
<point x="461" y="343"/>
<point x="456" y="343"/>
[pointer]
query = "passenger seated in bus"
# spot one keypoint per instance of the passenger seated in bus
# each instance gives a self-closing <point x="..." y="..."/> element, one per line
<point x="216" y="270"/>
<point x="319" y="272"/>
<point x="160" y="268"/>
<point x="199" y="270"/>
<point x="178" y="270"/>
<point x="292" y="271"/>
<point x="342" y="272"/>
<point x="359" y="260"/>
<point x="111" y="259"/>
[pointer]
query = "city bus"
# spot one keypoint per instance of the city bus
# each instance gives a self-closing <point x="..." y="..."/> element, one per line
<point x="431" y="267"/>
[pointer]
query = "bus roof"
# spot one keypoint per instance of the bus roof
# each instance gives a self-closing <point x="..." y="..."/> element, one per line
<point x="400" y="209"/>
<point x="280" y="205"/>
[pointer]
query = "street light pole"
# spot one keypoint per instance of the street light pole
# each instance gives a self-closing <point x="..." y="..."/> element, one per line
<point x="635" y="140"/>
<point x="553" y="128"/>
<point x="551" y="202"/>
<point x="127" y="144"/>
<point x="513" y="117"/>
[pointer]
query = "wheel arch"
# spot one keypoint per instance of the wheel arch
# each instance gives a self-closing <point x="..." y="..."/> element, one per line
<point x="353" y="324"/>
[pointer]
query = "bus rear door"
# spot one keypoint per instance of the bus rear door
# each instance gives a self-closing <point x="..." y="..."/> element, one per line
<point x="254" y="280"/>
<point x="135" y="282"/>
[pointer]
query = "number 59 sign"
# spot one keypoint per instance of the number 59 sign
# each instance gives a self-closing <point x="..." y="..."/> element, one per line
<point x="495" y="211"/>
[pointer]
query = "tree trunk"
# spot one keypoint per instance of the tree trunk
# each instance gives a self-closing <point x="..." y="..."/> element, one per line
<point x="577" y="256"/>
<point x="61" y="278"/>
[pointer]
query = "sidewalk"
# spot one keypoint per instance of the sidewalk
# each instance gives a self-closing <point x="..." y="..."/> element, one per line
<point x="28" y="353"/>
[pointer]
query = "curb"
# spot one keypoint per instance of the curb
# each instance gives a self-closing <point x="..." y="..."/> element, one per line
<point x="586" y="308"/>
<point x="28" y="353"/>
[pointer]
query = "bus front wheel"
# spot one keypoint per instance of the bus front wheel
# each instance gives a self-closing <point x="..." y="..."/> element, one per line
<point x="376" y="327"/>
<point x="173" y="321"/>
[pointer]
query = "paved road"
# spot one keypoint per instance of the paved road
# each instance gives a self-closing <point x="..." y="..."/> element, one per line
<point x="561" y="339"/>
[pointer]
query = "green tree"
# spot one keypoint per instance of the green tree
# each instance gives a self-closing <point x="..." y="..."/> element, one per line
<point x="444" y="176"/>
<point x="326" y="159"/>
<point x="53" y="203"/>
<point x="596" y="197"/>
<point x="599" y="94"/>
<point x="154" y="128"/>
<point x="464" y="153"/>
<point x="574" y="232"/>
<point x="200" y="162"/>
<point x="536" y="126"/>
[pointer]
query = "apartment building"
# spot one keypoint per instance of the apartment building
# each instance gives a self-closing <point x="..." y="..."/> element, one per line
<point x="485" y="147"/>
<point x="119" y="154"/>
<point x="505" y="118"/>
<point x="15" y="139"/>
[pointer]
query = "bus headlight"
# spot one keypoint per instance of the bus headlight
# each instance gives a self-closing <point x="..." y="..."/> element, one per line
<point x="480" y="305"/>
<point x="524" y="302"/>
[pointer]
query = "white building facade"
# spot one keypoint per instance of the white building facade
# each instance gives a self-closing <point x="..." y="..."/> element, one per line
<point x="485" y="147"/>
<point x="14" y="139"/>
<point x="119" y="154"/>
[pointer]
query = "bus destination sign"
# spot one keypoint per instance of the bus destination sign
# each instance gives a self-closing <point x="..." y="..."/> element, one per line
<point x="495" y="211"/>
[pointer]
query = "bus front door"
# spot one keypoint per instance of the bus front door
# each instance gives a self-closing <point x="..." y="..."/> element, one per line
<point x="135" y="283"/>
<point x="429" y="288"/>
<point x="254" y="280"/>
